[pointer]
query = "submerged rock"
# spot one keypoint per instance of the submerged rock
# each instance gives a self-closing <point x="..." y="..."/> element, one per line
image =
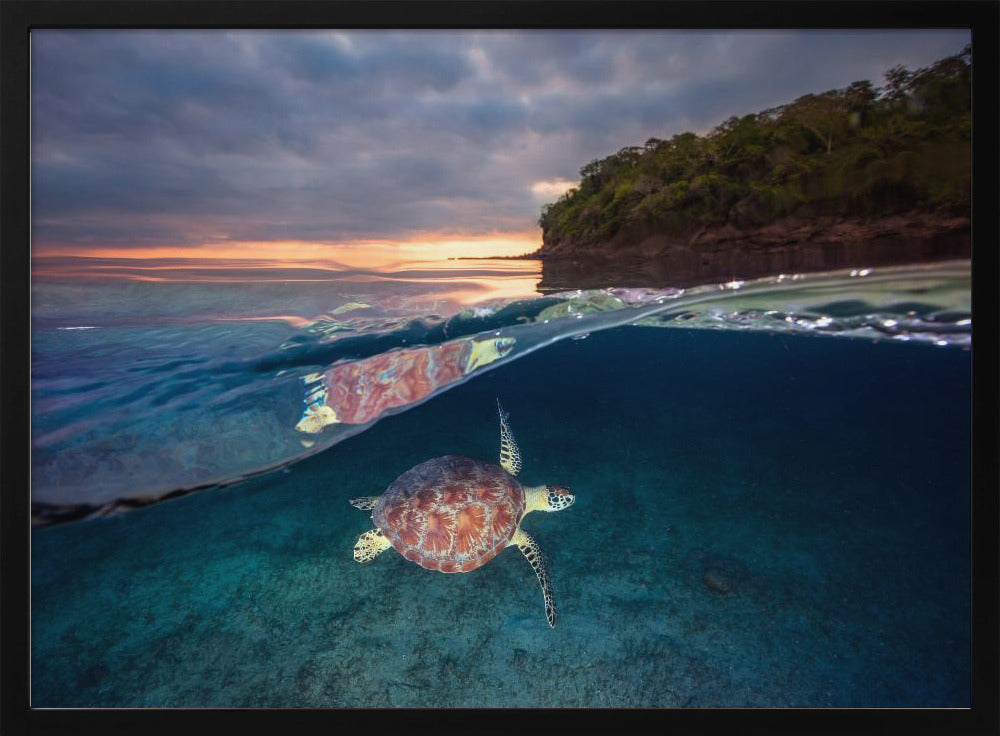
<point x="721" y="579"/>
<point x="722" y="574"/>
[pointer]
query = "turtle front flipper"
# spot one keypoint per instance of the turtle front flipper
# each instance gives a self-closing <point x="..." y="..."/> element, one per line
<point x="510" y="458"/>
<point x="526" y="543"/>
<point x="370" y="545"/>
<point x="365" y="503"/>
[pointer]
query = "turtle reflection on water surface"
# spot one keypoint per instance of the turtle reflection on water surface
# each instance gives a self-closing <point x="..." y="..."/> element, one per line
<point x="361" y="391"/>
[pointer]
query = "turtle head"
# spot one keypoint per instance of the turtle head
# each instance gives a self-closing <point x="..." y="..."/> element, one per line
<point x="547" y="498"/>
<point x="558" y="498"/>
<point x="315" y="417"/>
<point x="487" y="351"/>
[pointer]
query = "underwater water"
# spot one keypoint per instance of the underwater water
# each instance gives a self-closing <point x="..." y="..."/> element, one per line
<point x="772" y="494"/>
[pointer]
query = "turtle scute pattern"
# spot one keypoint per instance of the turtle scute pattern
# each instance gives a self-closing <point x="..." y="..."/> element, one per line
<point x="452" y="513"/>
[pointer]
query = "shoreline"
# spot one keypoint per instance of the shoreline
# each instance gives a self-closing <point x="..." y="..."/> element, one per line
<point x="781" y="233"/>
<point x="786" y="246"/>
<point x="789" y="231"/>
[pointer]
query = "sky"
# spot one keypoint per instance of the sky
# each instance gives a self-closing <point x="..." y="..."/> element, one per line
<point x="233" y="144"/>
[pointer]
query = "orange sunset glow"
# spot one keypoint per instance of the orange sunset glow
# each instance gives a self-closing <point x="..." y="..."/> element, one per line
<point x="429" y="259"/>
<point x="373" y="254"/>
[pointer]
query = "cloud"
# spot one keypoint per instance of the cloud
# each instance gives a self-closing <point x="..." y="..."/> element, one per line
<point x="175" y="137"/>
<point x="548" y="190"/>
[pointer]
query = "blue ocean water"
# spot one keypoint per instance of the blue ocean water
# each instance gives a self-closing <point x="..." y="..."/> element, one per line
<point x="773" y="510"/>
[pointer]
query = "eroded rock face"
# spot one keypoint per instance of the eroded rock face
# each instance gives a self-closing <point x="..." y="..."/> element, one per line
<point x="783" y="232"/>
<point x="789" y="231"/>
<point x="787" y="247"/>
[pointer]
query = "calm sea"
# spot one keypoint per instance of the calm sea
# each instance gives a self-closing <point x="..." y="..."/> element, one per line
<point x="772" y="479"/>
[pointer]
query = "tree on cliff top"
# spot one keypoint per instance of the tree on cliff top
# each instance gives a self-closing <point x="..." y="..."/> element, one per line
<point x="855" y="151"/>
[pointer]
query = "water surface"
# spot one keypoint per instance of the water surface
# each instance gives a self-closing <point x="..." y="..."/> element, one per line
<point x="772" y="482"/>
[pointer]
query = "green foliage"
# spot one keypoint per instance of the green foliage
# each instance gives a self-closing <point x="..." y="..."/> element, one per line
<point x="859" y="151"/>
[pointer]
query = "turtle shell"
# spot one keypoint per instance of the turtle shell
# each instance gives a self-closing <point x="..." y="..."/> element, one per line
<point x="451" y="513"/>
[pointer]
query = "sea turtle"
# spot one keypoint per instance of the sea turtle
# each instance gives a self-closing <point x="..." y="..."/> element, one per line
<point x="454" y="514"/>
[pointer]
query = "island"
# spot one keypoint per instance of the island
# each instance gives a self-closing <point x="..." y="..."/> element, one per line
<point x="855" y="176"/>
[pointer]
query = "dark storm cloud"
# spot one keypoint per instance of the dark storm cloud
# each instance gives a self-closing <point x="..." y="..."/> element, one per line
<point x="386" y="63"/>
<point x="182" y="137"/>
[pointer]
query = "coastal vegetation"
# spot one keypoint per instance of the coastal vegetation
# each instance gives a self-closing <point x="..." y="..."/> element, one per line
<point x="859" y="152"/>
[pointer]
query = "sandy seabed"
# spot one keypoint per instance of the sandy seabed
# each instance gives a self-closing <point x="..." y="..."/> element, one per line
<point x="761" y="521"/>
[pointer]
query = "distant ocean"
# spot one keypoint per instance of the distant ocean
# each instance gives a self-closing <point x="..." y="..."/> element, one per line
<point x="772" y="479"/>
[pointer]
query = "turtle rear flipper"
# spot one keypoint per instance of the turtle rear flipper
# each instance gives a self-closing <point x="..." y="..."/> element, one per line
<point x="370" y="545"/>
<point x="526" y="543"/>
<point x="365" y="503"/>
